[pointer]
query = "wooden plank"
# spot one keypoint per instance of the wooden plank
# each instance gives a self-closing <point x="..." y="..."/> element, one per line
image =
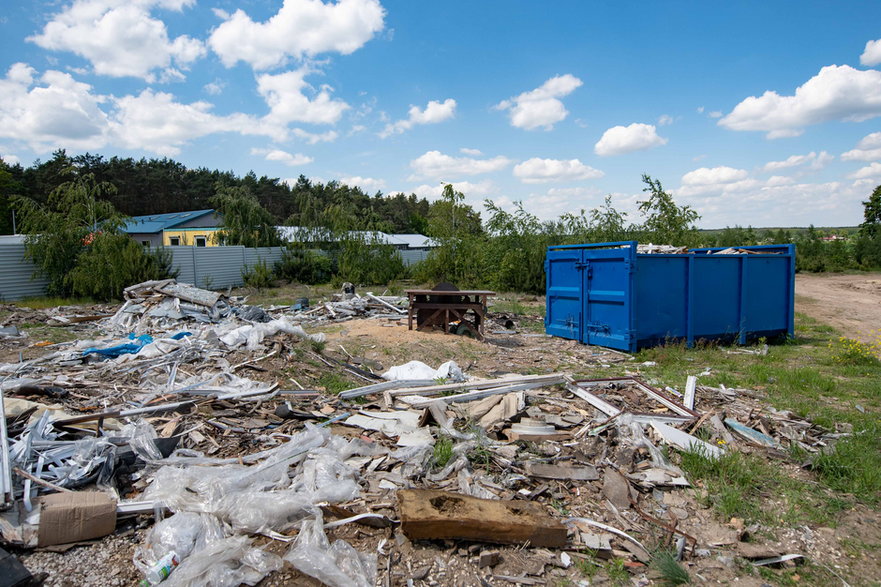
<point x="562" y="472"/>
<point x="440" y="515"/>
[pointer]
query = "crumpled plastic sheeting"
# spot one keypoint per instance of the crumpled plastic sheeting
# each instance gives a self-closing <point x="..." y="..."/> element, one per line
<point x="183" y="534"/>
<point x="337" y="565"/>
<point x="632" y="433"/>
<point x="449" y="371"/>
<point x="253" y="334"/>
<point x="227" y="562"/>
<point x="263" y="498"/>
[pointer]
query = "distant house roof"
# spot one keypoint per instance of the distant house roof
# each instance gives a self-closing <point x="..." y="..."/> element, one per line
<point x="160" y="222"/>
<point x="415" y="241"/>
<point x="303" y="234"/>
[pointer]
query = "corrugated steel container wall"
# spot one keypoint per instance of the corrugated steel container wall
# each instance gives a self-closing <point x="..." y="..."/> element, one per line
<point x="609" y="295"/>
<point x="16" y="274"/>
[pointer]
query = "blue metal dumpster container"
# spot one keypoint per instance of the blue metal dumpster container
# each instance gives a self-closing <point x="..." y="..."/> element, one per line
<point x="610" y="295"/>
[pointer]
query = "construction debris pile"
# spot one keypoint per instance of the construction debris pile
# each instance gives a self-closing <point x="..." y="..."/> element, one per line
<point x="153" y="425"/>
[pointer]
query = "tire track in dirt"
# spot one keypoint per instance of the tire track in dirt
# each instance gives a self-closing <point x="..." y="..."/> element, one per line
<point x="849" y="303"/>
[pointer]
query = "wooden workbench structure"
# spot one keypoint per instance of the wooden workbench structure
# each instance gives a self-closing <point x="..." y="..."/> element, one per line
<point x="437" y="308"/>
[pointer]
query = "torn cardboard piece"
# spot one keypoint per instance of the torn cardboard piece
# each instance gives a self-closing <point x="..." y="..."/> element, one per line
<point x="72" y="517"/>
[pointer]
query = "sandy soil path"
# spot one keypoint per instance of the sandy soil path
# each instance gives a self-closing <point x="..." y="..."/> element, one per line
<point x="850" y="303"/>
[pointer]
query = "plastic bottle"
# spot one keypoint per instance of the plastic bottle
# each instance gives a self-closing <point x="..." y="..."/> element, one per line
<point x="163" y="567"/>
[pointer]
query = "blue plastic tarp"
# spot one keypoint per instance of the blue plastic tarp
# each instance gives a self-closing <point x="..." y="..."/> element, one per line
<point x="128" y="348"/>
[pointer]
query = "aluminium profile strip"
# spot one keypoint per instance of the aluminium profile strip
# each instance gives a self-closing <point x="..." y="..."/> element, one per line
<point x="5" y="465"/>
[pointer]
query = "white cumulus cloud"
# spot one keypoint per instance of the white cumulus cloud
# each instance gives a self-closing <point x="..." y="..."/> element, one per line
<point x="870" y="171"/>
<point x="541" y="107"/>
<point x="814" y="159"/>
<point x="301" y="28"/>
<point x="868" y="149"/>
<point x="474" y="192"/>
<point x="626" y="139"/>
<point x="715" y="180"/>
<point x="665" y="119"/>
<point x="285" y="94"/>
<point x="51" y="111"/>
<point x="777" y="180"/>
<point x="367" y="184"/>
<point x="156" y="121"/>
<point x="56" y="111"/>
<point x="312" y="138"/>
<point x="837" y="92"/>
<point x="538" y="170"/>
<point x="872" y="54"/>
<point x="433" y="113"/>
<point x="438" y="165"/>
<point x="121" y="38"/>
<point x="290" y="159"/>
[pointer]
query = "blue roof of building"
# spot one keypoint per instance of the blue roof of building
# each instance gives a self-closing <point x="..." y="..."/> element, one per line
<point x="160" y="222"/>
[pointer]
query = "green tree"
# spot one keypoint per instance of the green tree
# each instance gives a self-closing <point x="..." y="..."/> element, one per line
<point x="871" y="225"/>
<point x="8" y="188"/>
<point x="58" y="231"/>
<point x="867" y="250"/>
<point x="459" y="233"/>
<point x="76" y="241"/>
<point x="245" y="221"/>
<point x="665" y="222"/>
<point x="112" y="262"/>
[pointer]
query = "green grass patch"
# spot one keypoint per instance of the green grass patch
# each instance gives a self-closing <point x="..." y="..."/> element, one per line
<point x="854" y="463"/>
<point x="732" y="483"/>
<point x="334" y="383"/>
<point x="443" y="452"/>
<point x="757" y="489"/>
<point x="672" y="573"/>
<point x="815" y="375"/>
<point x="43" y="303"/>
<point x="39" y="332"/>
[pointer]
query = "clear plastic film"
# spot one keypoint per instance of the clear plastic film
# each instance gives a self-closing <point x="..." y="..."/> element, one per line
<point x="337" y="565"/>
<point x="270" y="496"/>
<point x="632" y="433"/>
<point x="185" y="533"/>
<point x="227" y="562"/>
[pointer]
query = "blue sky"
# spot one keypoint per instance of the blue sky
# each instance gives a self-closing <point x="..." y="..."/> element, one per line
<point x="761" y="113"/>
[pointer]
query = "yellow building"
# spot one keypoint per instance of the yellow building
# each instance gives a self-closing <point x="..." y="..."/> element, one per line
<point x="195" y="228"/>
<point x="186" y="237"/>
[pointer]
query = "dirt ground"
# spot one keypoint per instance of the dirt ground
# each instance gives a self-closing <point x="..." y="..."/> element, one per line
<point x="849" y="303"/>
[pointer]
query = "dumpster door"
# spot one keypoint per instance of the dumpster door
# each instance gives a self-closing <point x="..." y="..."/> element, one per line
<point x="563" y="299"/>
<point x="608" y="278"/>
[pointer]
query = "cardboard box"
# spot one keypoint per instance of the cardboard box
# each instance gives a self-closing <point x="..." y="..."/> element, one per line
<point x="72" y="517"/>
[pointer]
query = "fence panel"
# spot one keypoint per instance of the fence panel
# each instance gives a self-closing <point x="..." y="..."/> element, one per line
<point x="413" y="257"/>
<point x="208" y="267"/>
<point x="16" y="274"/>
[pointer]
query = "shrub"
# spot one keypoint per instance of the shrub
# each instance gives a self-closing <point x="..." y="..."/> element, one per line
<point x="112" y="262"/>
<point x="304" y="266"/>
<point x="259" y="276"/>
